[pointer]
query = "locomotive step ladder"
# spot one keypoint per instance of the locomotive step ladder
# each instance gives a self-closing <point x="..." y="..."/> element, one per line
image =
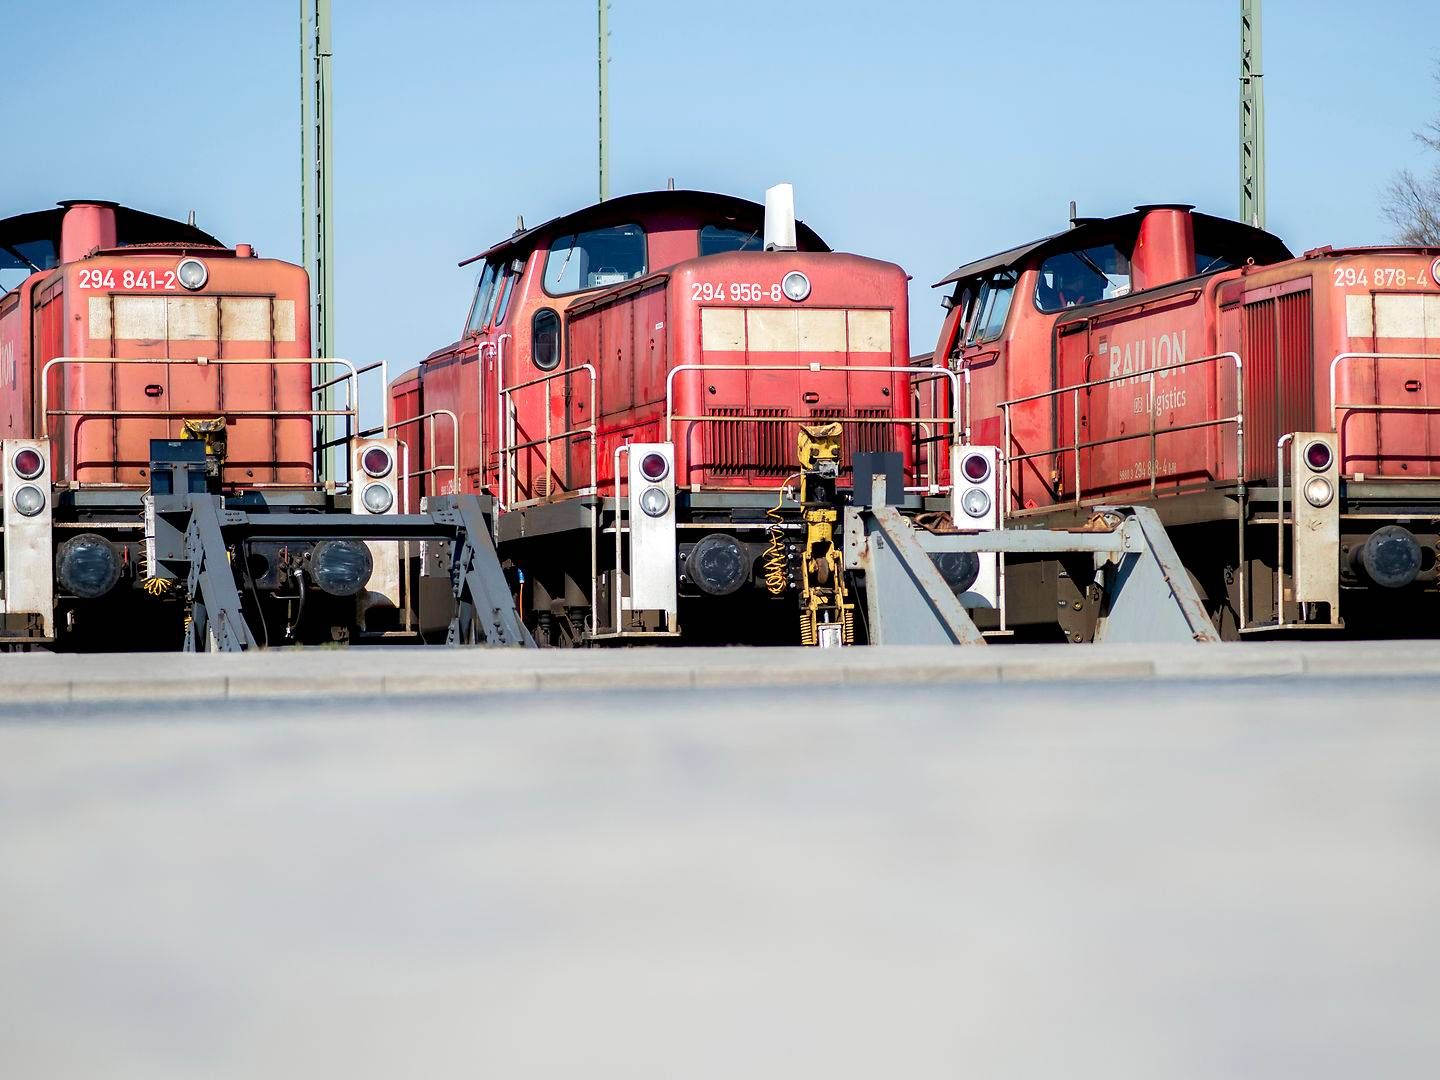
<point x="194" y="533"/>
<point x="1147" y="595"/>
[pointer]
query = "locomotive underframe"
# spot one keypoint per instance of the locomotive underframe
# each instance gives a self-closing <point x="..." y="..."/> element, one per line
<point x="546" y="548"/>
<point x="156" y="620"/>
<point x="1204" y="527"/>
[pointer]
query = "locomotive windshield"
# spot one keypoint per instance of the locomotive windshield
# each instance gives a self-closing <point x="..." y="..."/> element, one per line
<point x="595" y="259"/>
<point x="23" y="258"/>
<point x="719" y="239"/>
<point x="1082" y="277"/>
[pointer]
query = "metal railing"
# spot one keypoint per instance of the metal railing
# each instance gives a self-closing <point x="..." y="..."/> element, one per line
<point x="932" y="374"/>
<point x="431" y="455"/>
<point x="1152" y="433"/>
<point x="350" y="407"/>
<point x="507" y="489"/>
<point x="352" y="398"/>
<point x="1337" y="407"/>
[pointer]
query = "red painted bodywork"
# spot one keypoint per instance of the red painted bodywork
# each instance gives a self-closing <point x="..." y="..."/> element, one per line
<point x="1287" y="319"/>
<point x="113" y="295"/>
<point x="638" y="338"/>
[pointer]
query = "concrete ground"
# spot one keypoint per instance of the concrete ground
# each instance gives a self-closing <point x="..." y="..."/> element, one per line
<point x="912" y="863"/>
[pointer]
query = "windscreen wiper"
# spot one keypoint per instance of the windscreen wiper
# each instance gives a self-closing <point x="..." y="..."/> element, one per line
<point x="21" y="256"/>
<point x="1093" y="265"/>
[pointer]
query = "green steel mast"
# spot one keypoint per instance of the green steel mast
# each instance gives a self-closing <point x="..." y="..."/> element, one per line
<point x="603" y="60"/>
<point x="1252" y="117"/>
<point x="317" y="242"/>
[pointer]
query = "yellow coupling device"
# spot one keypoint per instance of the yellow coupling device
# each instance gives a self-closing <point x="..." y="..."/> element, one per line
<point x="827" y="614"/>
<point x="212" y="434"/>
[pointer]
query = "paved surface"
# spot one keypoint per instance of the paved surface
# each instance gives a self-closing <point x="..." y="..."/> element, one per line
<point x="324" y="673"/>
<point x="992" y="872"/>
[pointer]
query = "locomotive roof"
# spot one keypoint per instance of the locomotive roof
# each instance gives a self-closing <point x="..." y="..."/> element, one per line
<point x="624" y="208"/>
<point x="131" y="227"/>
<point x="1236" y="237"/>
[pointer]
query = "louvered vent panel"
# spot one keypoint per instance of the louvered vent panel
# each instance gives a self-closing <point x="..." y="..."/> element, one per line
<point x="743" y="447"/>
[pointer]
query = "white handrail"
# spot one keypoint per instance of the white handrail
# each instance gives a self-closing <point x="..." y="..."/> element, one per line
<point x="1149" y="375"/>
<point x="1375" y="407"/>
<point x="432" y="467"/>
<point x="199" y="361"/>
<point x="502" y="426"/>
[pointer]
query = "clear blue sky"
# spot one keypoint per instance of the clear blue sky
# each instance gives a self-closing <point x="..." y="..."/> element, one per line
<point x="922" y="132"/>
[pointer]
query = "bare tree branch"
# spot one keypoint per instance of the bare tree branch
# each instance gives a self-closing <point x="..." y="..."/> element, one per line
<point x="1412" y="203"/>
<point x="1413" y="207"/>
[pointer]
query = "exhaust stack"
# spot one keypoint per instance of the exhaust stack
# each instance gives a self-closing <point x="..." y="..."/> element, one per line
<point x="1165" y="247"/>
<point x="780" y="218"/>
<point x="85" y="227"/>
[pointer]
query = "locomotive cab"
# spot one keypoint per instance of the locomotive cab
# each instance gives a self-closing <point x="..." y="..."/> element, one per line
<point x="122" y="332"/>
<point x="1274" y="410"/>
<point x="654" y="328"/>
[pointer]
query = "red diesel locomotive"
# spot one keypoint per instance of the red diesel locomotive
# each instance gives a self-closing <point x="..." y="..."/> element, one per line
<point x="629" y="387"/>
<point x="117" y="329"/>
<point x="1277" y="411"/>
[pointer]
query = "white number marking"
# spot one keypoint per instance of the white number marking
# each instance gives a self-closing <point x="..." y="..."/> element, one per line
<point x="1383" y="277"/>
<point x="140" y="280"/>
<point x="739" y="292"/>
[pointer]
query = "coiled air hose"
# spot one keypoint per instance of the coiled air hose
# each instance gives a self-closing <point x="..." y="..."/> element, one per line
<point x="776" y="563"/>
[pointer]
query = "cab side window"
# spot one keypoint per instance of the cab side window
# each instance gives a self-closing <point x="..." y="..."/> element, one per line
<point x="545" y="339"/>
<point x="962" y="302"/>
<point x="503" y="291"/>
<point x="484" y="297"/>
<point x="992" y="305"/>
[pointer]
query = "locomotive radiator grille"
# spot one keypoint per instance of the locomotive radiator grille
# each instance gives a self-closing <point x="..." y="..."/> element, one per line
<point x="744" y="447"/>
<point x="766" y="448"/>
<point x="1279" y="374"/>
